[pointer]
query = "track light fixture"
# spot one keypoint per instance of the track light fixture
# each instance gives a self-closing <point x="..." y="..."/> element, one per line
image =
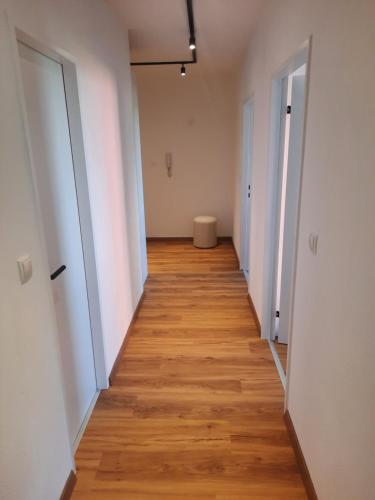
<point x="192" y="46"/>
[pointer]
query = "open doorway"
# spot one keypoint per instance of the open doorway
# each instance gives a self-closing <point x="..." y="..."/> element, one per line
<point x="247" y="151"/>
<point x="289" y="91"/>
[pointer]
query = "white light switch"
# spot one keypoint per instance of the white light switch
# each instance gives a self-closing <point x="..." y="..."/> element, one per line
<point x="25" y="268"/>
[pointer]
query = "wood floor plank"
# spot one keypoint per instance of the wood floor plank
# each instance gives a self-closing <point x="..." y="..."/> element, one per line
<point x="195" y="410"/>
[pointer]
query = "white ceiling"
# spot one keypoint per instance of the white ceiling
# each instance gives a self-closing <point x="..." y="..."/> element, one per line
<point x="158" y="29"/>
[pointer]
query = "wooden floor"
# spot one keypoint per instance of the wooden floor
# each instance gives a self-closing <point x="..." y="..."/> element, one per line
<point x="195" y="411"/>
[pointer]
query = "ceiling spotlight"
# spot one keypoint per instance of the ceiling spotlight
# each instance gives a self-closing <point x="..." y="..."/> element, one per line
<point x="183" y="70"/>
<point x="192" y="43"/>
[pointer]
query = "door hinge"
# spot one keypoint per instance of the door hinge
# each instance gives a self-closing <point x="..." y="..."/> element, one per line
<point x="288" y="110"/>
<point x="277" y="314"/>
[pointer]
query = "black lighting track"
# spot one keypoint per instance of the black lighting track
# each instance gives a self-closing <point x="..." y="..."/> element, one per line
<point x="194" y="59"/>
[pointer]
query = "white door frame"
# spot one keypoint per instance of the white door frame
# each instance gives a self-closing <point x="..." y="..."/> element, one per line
<point x="80" y="175"/>
<point x="282" y="83"/>
<point x="302" y="56"/>
<point x="139" y="175"/>
<point x="246" y="175"/>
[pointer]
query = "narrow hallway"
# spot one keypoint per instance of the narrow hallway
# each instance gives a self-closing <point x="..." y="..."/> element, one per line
<point x="195" y="410"/>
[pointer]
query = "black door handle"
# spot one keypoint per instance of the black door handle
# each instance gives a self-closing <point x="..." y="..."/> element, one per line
<point x="58" y="271"/>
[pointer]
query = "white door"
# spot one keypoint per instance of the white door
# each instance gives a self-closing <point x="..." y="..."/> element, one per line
<point x="283" y="148"/>
<point x="247" y="148"/>
<point x="140" y="197"/>
<point x="292" y="200"/>
<point x="44" y="90"/>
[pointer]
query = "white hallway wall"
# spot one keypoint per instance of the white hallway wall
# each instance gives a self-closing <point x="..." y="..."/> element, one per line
<point x="105" y="91"/>
<point x="35" y="457"/>
<point x="193" y="118"/>
<point x="332" y="382"/>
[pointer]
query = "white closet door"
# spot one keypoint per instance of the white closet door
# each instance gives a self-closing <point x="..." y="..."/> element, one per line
<point x="247" y="147"/>
<point x="44" y="91"/>
<point x="292" y="202"/>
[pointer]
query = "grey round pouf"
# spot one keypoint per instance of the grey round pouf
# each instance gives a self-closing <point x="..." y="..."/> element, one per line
<point x="205" y="231"/>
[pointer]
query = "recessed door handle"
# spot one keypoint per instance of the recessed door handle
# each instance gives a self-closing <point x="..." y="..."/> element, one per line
<point x="58" y="271"/>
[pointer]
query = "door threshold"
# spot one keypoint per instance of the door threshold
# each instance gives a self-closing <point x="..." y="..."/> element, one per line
<point x="85" y="422"/>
